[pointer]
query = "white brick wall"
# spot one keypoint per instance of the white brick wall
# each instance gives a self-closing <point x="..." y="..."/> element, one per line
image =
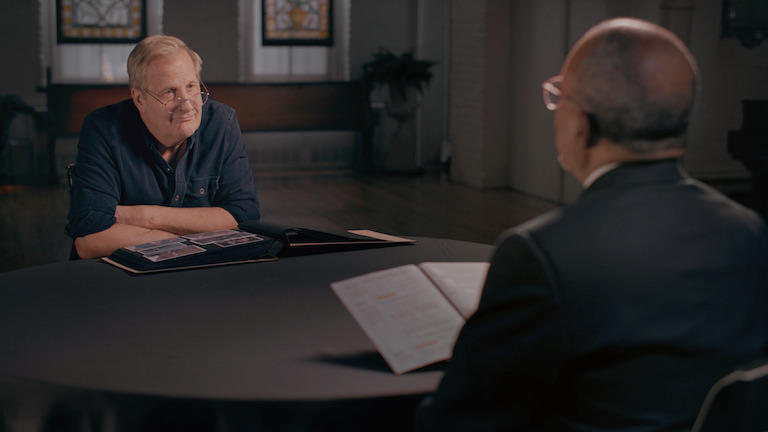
<point x="479" y="95"/>
<point x="467" y="89"/>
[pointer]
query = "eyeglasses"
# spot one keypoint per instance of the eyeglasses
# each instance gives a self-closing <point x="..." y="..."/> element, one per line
<point x="551" y="92"/>
<point x="553" y="95"/>
<point x="171" y="102"/>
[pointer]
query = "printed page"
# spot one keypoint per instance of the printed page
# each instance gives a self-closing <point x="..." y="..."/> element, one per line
<point x="461" y="282"/>
<point x="404" y="315"/>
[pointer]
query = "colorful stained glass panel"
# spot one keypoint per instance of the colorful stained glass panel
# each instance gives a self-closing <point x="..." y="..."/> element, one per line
<point x="297" y="22"/>
<point x="101" y="21"/>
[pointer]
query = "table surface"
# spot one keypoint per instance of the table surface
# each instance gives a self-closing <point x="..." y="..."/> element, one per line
<point x="271" y="331"/>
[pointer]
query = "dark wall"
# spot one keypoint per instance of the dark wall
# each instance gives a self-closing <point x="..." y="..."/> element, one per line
<point x="20" y="50"/>
<point x="376" y="24"/>
<point x="210" y="28"/>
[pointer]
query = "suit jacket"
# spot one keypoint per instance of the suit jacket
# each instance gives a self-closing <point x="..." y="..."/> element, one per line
<point x="616" y="313"/>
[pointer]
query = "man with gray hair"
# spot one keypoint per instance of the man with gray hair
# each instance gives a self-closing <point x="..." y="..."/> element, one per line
<point x="619" y="311"/>
<point x="164" y="163"/>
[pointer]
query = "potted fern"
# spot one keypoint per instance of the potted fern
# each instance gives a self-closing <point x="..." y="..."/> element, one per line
<point x="403" y="75"/>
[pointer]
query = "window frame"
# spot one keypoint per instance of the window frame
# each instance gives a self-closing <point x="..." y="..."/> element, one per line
<point x="337" y="55"/>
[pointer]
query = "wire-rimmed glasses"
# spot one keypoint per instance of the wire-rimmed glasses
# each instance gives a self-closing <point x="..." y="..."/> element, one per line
<point x="553" y="95"/>
<point x="551" y="92"/>
<point x="171" y="101"/>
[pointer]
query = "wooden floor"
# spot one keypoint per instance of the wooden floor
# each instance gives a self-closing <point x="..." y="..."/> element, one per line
<point x="32" y="218"/>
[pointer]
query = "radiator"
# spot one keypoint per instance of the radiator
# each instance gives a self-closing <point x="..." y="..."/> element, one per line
<point x="302" y="150"/>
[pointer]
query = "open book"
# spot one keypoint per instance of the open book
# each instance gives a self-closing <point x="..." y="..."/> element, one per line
<point x="253" y="241"/>
<point x="413" y="313"/>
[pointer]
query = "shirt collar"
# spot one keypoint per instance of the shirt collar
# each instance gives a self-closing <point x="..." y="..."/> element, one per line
<point x="152" y="143"/>
<point x="597" y="172"/>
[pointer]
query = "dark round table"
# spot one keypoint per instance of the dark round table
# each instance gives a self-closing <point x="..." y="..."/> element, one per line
<point x="271" y="331"/>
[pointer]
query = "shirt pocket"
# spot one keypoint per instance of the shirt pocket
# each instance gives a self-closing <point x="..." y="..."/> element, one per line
<point x="201" y="192"/>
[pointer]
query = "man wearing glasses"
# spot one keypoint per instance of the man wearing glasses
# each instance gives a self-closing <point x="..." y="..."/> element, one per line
<point x="619" y="311"/>
<point x="164" y="163"/>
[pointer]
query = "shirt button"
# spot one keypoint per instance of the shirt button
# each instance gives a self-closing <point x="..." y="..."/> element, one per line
<point x="202" y="191"/>
<point x="169" y="170"/>
<point x="176" y="198"/>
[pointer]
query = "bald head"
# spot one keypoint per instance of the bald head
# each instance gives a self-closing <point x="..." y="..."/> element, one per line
<point x="636" y="80"/>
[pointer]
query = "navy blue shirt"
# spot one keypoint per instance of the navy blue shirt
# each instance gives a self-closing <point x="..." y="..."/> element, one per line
<point x="118" y="164"/>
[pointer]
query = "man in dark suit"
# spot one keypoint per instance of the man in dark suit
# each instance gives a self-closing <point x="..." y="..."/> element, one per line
<point x="619" y="311"/>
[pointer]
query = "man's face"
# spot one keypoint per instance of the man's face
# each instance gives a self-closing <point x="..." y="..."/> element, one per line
<point x="168" y="77"/>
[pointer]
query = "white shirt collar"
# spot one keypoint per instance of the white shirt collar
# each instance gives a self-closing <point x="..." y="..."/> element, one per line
<point x="598" y="172"/>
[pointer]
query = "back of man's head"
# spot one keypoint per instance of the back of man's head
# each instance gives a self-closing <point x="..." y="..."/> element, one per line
<point x="637" y="81"/>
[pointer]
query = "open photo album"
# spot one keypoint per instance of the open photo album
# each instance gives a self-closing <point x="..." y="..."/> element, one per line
<point x="252" y="241"/>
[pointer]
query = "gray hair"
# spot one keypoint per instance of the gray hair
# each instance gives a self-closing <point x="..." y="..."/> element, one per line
<point x="634" y="104"/>
<point x="151" y="47"/>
